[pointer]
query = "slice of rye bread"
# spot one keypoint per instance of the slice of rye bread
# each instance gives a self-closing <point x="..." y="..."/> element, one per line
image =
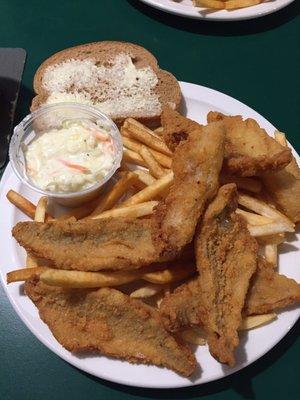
<point x="103" y="53"/>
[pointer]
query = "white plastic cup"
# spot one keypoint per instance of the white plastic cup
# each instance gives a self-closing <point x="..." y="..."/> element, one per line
<point x="51" y="117"/>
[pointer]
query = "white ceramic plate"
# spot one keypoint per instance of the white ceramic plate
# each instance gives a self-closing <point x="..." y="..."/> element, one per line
<point x="185" y="8"/>
<point x="199" y="101"/>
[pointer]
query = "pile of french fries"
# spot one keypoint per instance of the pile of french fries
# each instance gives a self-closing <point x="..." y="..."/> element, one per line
<point x="144" y="178"/>
<point x="226" y="4"/>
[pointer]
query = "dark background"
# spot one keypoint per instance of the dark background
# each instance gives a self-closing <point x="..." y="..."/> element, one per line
<point x="255" y="61"/>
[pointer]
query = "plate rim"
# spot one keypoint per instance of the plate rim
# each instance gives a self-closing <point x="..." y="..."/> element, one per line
<point x="218" y="15"/>
<point x="65" y="355"/>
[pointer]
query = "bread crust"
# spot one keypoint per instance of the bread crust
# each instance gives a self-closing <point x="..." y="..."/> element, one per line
<point x="167" y="88"/>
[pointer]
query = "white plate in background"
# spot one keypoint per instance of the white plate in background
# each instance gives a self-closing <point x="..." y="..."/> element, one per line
<point x="185" y="8"/>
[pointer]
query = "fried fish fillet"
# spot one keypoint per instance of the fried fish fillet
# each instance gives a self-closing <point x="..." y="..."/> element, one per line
<point x="196" y="166"/>
<point x="284" y="188"/>
<point x="109" y="322"/>
<point x="93" y="245"/>
<point x="268" y="291"/>
<point x="249" y="150"/>
<point x="176" y="127"/>
<point x="226" y="258"/>
<point x="89" y="245"/>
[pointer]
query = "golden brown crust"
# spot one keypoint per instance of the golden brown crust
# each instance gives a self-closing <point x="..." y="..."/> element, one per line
<point x="176" y="127"/>
<point x="268" y="292"/>
<point x="226" y="257"/>
<point x="249" y="150"/>
<point x="109" y="322"/>
<point x="196" y="164"/>
<point x="284" y="188"/>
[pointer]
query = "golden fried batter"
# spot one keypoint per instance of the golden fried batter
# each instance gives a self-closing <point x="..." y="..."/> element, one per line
<point x="284" y="188"/>
<point x="249" y="150"/>
<point x="226" y="258"/>
<point x="268" y="291"/>
<point x="196" y="165"/>
<point x="109" y="322"/>
<point x="90" y="245"/>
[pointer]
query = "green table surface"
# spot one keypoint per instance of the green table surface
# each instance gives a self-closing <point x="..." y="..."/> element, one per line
<point x="256" y="61"/>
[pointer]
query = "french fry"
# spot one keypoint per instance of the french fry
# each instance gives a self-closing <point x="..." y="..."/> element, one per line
<point x="250" y="184"/>
<point x="269" y="229"/>
<point x="133" y="158"/>
<point x="280" y="138"/>
<point x="233" y="4"/>
<point x="154" y="167"/>
<point x="40" y="212"/>
<point x="109" y="199"/>
<point x="215" y="4"/>
<point x="131" y="144"/>
<point x="271" y="254"/>
<point x="148" y="290"/>
<point x="124" y="166"/>
<point x="150" y="192"/>
<point x="254" y="219"/>
<point x="82" y="279"/>
<point x="23" y="274"/>
<point x="23" y="204"/>
<point x="131" y="211"/>
<point x="39" y="216"/>
<point x="262" y="208"/>
<point x="271" y="239"/>
<point x="161" y="158"/>
<point x="253" y="321"/>
<point x="159" y="131"/>
<point x="144" y="135"/>
<point x="31" y="262"/>
<point x="145" y="177"/>
<point x="193" y="336"/>
<point x="125" y="132"/>
<point x="175" y="273"/>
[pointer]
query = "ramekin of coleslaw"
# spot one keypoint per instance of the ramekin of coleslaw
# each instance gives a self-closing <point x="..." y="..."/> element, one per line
<point x="66" y="151"/>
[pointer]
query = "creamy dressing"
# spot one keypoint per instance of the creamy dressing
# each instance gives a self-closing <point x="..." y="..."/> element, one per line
<point x="70" y="159"/>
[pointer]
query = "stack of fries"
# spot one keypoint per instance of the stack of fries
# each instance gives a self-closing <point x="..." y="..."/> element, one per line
<point x="144" y="178"/>
<point x="226" y="4"/>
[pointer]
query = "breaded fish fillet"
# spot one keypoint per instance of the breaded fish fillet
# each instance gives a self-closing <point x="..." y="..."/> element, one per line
<point x="196" y="165"/>
<point x="176" y="127"/>
<point x="226" y="258"/>
<point x="109" y="322"/>
<point x="284" y="188"/>
<point x="249" y="150"/>
<point x="89" y="245"/>
<point x="268" y="292"/>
